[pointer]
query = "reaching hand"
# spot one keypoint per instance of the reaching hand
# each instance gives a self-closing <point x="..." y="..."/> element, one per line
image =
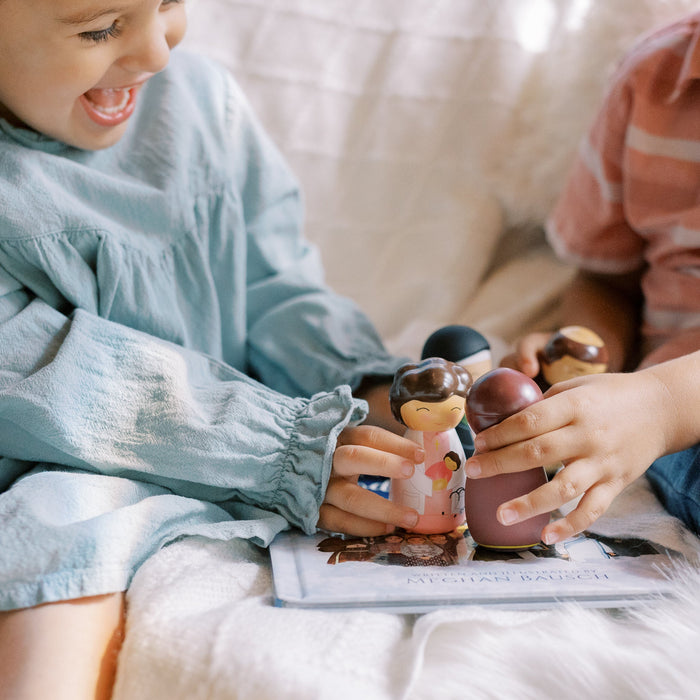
<point x="351" y="509"/>
<point x="525" y="358"/>
<point x="606" y="429"/>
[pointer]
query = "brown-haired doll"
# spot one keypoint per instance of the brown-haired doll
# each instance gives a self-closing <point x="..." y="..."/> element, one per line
<point x="429" y="397"/>
<point x="572" y="351"/>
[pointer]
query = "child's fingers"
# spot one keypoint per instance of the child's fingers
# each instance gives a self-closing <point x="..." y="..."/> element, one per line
<point x="371" y="450"/>
<point x="354" y="502"/>
<point x="537" y="420"/>
<point x="335" y="520"/>
<point x="353" y="460"/>
<point x="525" y="357"/>
<point x="560" y="445"/>
<point x="544" y="499"/>
<point x="591" y="506"/>
<point x="510" y="360"/>
<point x="348" y="507"/>
<point x="382" y="440"/>
<point x="572" y="482"/>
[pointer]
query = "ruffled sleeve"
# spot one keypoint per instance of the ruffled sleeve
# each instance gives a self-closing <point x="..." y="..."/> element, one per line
<point x="84" y="392"/>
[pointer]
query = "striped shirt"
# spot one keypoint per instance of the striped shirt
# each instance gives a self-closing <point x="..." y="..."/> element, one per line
<point x="632" y="200"/>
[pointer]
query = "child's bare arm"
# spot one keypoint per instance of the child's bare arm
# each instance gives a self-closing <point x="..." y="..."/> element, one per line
<point x="607" y="429"/>
<point x="607" y="304"/>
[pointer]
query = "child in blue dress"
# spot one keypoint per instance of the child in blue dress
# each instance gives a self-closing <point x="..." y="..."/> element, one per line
<point x="171" y="361"/>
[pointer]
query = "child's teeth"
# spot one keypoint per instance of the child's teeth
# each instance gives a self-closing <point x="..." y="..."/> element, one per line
<point x="109" y="100"/>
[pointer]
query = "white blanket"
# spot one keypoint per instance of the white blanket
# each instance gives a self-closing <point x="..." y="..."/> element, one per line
<point x="202" y="627"/>
<point x="431" y="137"/>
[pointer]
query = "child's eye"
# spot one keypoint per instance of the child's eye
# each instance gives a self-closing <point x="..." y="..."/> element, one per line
<point x="97" y="36"/>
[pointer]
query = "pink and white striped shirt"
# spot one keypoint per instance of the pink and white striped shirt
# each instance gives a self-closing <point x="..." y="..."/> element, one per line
<point x="632" y="200"/>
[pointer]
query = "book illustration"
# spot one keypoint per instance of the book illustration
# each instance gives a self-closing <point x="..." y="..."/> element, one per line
<point x="414" y="572"/>
<point x="403" y="548"/>
<point x="400" y="548"/>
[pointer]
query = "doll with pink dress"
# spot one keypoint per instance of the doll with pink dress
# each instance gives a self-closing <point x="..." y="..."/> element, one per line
<point x="429" y="399"/>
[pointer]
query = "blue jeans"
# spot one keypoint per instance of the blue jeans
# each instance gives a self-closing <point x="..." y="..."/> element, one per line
<point x="675" y="480"/>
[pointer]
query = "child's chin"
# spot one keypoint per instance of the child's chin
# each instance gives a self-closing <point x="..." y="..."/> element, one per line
<point x="96" y="140"/>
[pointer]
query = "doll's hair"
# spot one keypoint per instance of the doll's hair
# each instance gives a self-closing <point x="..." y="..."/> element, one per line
<point x="431" y="380"/>
<point x="455" y="343"/>
<point x="575" y="341"/>
<point x="454" y="457"/>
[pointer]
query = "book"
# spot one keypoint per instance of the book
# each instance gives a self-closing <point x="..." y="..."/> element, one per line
<point x="410" y="573"/>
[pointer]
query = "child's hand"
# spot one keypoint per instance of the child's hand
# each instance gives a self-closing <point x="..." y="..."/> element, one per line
<point x="607" y="429"/>
<point x="525" y="358"/>
<point x="351" y="509"/>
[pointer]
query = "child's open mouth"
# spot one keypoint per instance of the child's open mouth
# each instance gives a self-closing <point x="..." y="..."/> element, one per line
<point x="109" y="106"/>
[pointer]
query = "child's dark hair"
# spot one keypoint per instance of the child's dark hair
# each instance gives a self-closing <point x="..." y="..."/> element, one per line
<point x="431" y="380"/>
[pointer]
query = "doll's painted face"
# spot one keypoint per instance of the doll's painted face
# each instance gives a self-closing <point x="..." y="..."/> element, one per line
<point x="430" y="396"/>
<point x="573" y="351"/>
<point x="433" y="416"/>
<point x="569" y="367"/>
<point x="72" y="69"/>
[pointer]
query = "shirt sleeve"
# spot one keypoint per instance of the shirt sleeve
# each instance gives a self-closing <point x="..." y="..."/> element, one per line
<point x="588" y="226"/>
<point x="84" y="392"/>
<point x="302" y="337"/>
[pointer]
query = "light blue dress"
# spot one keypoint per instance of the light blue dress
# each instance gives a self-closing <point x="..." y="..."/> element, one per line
<point x="171" y="361"/>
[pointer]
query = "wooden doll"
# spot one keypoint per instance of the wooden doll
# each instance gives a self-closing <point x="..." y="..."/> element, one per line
<point x="429" y="399"/>
<point x="463" y="345"/>
<point x="493" y="397"/>
<point x="572" y="351"/>
<point x="470" y="349"/>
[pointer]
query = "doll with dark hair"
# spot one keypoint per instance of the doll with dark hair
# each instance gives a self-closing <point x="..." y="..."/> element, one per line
<point x="463" y="345"/>
<point x="468" y="348"/>
<point x="429" y="399"/>
<point x="572" y="351"/>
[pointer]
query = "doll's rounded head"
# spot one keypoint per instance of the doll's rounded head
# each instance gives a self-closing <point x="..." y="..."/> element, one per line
<point x="573" y="351"/>
<point x="498" y="394"/>
<point x="430" y="395"/>
<point x="463" y="345"/>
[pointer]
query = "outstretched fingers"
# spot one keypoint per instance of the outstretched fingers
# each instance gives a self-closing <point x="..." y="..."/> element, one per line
<point x="370" y="450"/>
<point x="594" y="502"/>
<point x="356" y="511"/>
<point x="544" y="433"/>
<point x="536" y="420"/>
<point x="576" y="483"/>
<point x="525" y="358"/>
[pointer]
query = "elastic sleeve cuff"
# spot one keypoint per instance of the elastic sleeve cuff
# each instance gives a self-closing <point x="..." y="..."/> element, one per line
<point x="309" y="456"/>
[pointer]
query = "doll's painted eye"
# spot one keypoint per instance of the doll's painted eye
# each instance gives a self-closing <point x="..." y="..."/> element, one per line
<point x="423" y="408"/>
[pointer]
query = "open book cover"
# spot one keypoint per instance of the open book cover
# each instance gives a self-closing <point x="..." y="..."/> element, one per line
<point x="405" y="572"/>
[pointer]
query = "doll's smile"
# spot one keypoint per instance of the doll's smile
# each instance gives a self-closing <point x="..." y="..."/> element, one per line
<point x="436" y="416"/>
